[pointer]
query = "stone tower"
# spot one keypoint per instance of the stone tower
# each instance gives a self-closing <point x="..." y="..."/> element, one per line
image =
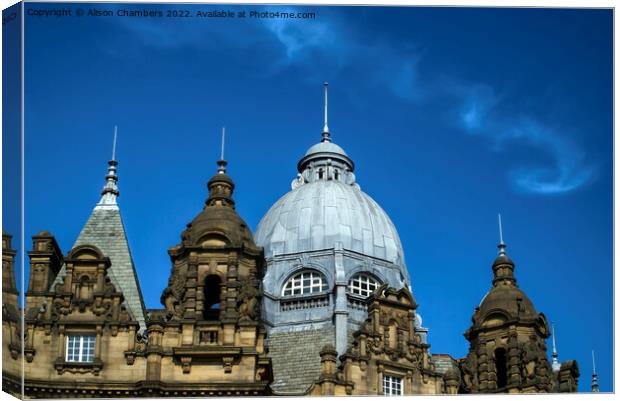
<point x="209" y="339"/>
<point x="507" y="352"/>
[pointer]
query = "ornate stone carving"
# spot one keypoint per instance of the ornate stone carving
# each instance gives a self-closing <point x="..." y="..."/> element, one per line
<point x="172" y="296"/>
<point x="248" y="300"/>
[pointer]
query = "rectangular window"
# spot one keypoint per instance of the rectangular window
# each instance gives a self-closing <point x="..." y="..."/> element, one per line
<point x="392" y="385"/>
<point x="80" y="348"/>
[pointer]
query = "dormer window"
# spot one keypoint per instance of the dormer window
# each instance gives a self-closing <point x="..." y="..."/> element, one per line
<point x="80" y="348"/>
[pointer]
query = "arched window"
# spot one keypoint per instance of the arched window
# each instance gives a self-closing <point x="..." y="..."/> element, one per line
<point x="308" y="282"/>
<point x="500" y="367"/>
<point x="363" y="284"/>
<point x="211" y="306"/>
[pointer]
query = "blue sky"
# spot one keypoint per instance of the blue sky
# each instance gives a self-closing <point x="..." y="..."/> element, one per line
<point x="451" y="116"/>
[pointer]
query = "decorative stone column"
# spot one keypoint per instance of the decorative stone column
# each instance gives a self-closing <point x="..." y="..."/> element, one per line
<point x="341" y="310"/>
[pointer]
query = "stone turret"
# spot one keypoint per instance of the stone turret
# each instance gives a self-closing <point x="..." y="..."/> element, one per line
<point x="211" y="325"/>
<point x="507" y="340"/>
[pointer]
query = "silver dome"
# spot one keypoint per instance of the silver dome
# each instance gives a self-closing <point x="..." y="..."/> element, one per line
<point x="317" y="215"/>
<point x="328" y="147"/>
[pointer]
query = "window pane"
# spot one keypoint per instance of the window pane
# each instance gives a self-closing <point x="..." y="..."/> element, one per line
<point x="363" y="284"/>
<point x="80" y="348"/>
<point x="392" y="385"/>
<point x="305" y="283"/>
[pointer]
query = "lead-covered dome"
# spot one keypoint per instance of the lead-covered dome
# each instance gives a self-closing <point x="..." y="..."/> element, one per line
<point x="318" y="214"/>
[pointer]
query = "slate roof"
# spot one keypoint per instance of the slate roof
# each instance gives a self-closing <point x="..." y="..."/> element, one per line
<point x="443" y="363"/>
<point x="296" y="360"/>
<point x="105" y="230"/>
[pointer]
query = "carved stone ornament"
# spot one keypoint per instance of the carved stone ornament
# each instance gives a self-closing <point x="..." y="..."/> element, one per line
<point x="248" y="300"/>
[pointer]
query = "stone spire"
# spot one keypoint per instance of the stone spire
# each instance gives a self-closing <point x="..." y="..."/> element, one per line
<point x="110" y="189"/>
<point x="326" y="135"/>
<point x="555" y="364"/>
<point x="595" y="388"/>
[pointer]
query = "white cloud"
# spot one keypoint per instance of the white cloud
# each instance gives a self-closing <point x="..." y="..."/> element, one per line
<point x="566" y="167"/>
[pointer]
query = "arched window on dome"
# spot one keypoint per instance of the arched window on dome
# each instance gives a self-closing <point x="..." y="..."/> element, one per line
<point x="305" y="283"/>
<point x="363" y="284"/>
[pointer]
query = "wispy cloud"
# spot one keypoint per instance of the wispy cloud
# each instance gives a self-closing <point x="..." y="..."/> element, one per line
<point x="568" y="167"/>
<point x="298" y="38"/>
<point x="478" y="102"/>
<point x="564" y="167"/>
<point x="332" y="47"/>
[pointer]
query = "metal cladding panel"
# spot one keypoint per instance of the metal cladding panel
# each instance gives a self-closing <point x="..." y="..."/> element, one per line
<point x="105" y="230"/>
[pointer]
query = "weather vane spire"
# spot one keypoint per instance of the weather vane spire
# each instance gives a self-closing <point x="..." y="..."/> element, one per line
<point x="221" y="164"/>
<point x="326" y="137"/>
<point x="502" y="245"/>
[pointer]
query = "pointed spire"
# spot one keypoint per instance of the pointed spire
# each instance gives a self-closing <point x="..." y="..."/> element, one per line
<point x="326" y="136"/>
<point x="110" y="189"/>
<point x="502" y="245"/>
<point x="221" y="164"/>
<point x="555" y="364"/>
<point x="595" y="388"/>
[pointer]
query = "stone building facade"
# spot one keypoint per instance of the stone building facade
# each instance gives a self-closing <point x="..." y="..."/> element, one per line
<point x="318" y="302"/>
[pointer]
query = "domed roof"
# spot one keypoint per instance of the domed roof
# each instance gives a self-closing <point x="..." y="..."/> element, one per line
<point x="508" y="299"/>
<point x="318" y="214"/>
<point x="326" y="146"/>
<point x="505" y="301"/>
<point x="218" y="220"/>
<point x="219" y="217"/>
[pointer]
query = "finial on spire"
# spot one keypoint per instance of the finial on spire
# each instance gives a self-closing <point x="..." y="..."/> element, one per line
<point x="221" y="164"/>
<point x="555" y="364"/>
<point x="110" y="189"/>
<point x="502" y="245"/>
<point x="595" y="388"/>
<point x="326" y="136"/>
<point x="114" y="144"/>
